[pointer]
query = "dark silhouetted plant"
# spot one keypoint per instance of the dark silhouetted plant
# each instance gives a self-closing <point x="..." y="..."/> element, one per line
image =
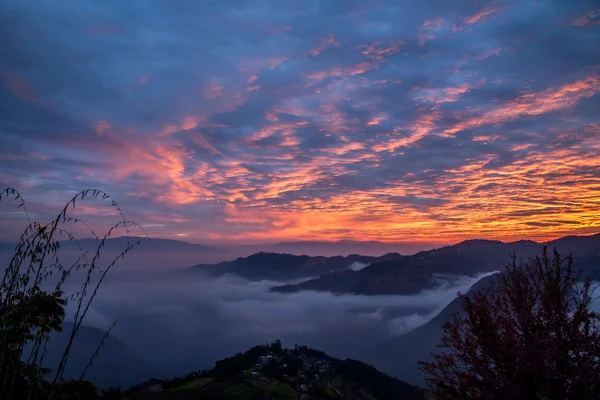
<point x="32" y="305"/>
<point x="531" y="335"/>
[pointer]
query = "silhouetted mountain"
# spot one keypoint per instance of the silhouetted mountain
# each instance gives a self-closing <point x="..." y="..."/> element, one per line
<point x="272" y="372"/>
<point x="329" y="249"/>
<point x="150" y="253"/>
<point x="398" y="355"/>
<point x="276" y="266"/>
<point x="115" y="365"/>
<point x="412" y="274"/>
<point x="403" y="275"/>
<point x="167" y="245"/>
<point x="585" y="251"/>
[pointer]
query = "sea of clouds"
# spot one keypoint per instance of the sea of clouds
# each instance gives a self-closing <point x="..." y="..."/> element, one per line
<point x="185" y="322"/>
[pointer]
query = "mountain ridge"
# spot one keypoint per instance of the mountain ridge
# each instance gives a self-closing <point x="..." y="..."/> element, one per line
<point x="284" y="266"/>
<point x="414" y="273"/>
<point x="419" y="343"/>
<point x="272" y="372"/>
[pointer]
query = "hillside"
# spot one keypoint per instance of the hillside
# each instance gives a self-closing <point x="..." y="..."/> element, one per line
<point x="115" y="365"/>
<point x="415" y="273"/>
<point x="276" y="266"/>
<point x="272" y="372"/>
<point x="398" y="355"/>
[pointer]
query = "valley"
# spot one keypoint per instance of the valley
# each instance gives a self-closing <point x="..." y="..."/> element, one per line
<point x="388" y="312"/>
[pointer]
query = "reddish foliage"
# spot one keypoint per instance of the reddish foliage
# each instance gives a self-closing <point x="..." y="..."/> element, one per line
<point x="530" y="335"/>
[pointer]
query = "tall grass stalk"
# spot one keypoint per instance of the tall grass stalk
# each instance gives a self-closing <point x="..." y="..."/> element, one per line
<point x="32" y="307"/>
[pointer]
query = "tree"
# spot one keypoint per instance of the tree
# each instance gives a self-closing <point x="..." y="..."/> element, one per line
<point x="530" y="335"/>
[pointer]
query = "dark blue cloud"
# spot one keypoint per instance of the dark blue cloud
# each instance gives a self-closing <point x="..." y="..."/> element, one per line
<point x="291" y="118"/>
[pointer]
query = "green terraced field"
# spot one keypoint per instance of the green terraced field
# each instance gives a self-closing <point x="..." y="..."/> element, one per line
<point x="279" y="389"/>
<point x="197" y="384"/>
<point x="241" y="391"/>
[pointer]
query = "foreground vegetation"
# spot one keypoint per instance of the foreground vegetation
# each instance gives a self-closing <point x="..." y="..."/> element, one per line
<point x="32" y="301"/>
<point x="530" y="335"/>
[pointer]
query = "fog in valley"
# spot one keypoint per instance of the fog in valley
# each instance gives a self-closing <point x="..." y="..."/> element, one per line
<point x="182" y="321"/>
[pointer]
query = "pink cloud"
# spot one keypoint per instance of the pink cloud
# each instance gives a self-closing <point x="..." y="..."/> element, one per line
<point x="534" y="104"/>
<point x="481" y="15"/>
<point x="329" y="41"/>
<point x="591" y="18"/>
<point x="102" y="126"/>
<point x="20" y="86"/>
<point x="417" y="130"/>
<point x="213" y="91"/>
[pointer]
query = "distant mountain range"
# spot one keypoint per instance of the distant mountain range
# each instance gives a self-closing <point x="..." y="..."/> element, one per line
<point x="412" y="274"/>
<point x="160" y="254"/>
<point x="329" y="248"/>
<point x="285" y="267"/>
<point x="155" y="253"/>
<point x="181" y="254"/>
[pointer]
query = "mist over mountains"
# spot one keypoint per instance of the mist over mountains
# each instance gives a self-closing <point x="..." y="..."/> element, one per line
<point x="387" y="311"/>
<point x="332" y="248"/>
<point x="277" y="266"/>
<point x="158" y="253"/>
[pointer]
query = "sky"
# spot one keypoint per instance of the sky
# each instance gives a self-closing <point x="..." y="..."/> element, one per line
<point x="265" y="120"/>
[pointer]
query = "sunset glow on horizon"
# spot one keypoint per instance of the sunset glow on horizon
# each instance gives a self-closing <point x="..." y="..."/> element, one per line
<point x="276" y="120"/>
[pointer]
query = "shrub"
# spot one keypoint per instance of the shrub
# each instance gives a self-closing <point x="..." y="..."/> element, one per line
<point x="531" y="335"/>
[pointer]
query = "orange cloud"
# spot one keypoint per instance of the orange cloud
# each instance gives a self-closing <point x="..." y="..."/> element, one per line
<point x="448" y="94"/>
<point x="481" y="15"/>
<point x="213" y="91"/>
<point x="286" y="130"/>
<point x="423" y="38"/>
<point x="357" y="69"/>
<point x="434" y="24"/>
<point x="376" y="120"/>
<point x="171" y="172"/>
<point x="534" y="104"/>
<point x="346" y="148"/>
<point x="190" y="122"/>
<point x="418" y="130"/>
<point x="201" y="141"/>
<point x="509" y="203"/>
<point x="378" y="52"/>
<point x="326" y="42"/>
<point x="486" y="138"/>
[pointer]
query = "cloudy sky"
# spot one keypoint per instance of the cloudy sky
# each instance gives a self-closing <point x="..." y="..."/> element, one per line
<point x="255" y="120"/>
